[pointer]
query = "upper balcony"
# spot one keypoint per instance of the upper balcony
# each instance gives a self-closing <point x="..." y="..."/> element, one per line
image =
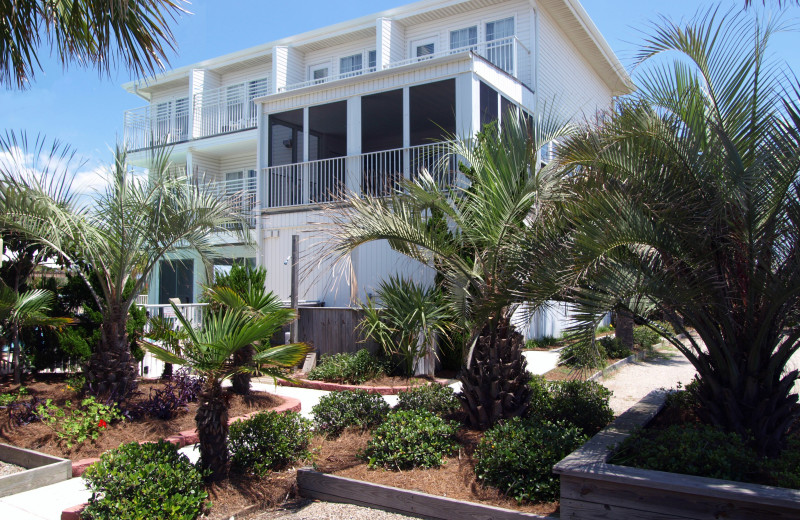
<point x="231" y="108"/>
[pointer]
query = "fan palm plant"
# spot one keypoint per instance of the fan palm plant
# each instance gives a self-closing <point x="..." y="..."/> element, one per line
<point x="28" y="309"/>
<point x="120" y="236"/>
<point x="257" y="303"/>
<point x="472" y="234"/>
<point x="410" y="317"/>
<point x="688" y="200"/>
<point x="209" y="352"/>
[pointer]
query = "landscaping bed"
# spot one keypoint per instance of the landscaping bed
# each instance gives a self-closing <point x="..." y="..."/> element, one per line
<point x="384" y="385"/>
<point x="39" y="436"/>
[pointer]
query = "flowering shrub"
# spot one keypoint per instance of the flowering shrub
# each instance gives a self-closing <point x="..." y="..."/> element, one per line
<point x="76" y="425"/>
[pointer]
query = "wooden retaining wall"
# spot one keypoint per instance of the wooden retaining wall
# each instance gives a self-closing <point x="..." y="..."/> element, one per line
<point x="591" y="488"/>
<point x="332" y="330"/>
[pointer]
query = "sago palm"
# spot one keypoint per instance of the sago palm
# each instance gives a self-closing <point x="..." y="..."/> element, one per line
<point x="688" y="199"/>
<point x="471" y="233"/>
<point x="258" y="303"/>
<point x="120" y="236"/>
<point x="208" y="352"/>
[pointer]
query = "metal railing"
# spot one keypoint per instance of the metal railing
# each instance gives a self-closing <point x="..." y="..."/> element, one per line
<point x="157" y="124"/>
<point x="193" y="312"/>
<point x="375" y="174"/>
<point x="229" y="108"/>
<point x="502" y="53"/>
<point x="240" y="194"/>
<point x="326" y="79"/>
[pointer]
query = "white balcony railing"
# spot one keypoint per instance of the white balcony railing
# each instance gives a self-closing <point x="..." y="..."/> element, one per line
<point x="326" y="79"/>
<point x="157" y="124"/>
<point x="193" y="312"/>
<point x="229" y="108"/>
<point x="375" y="174"/>
<point x="502" y="53"/>
<point x="240" y="193"/>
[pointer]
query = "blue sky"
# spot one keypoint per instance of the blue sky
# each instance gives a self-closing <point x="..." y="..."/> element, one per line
<point x="85" y="110"/>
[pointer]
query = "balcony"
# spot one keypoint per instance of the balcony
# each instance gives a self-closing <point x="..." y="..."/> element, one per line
<point x="375" y="174"/>
<point x="157" y="124"/>
<point x="228" y="109"/>
<point x="240" y="194"/>
<point x="502" y="53"/>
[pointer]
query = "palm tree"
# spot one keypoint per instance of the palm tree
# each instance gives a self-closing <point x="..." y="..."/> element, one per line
<point x="209" y="353"/>
<point x="257" y="303"/>
<point x="688" y="199"/>
<point x="97" y="33"/>
<point x="472" y="234"/>
<point x="28" y="309"/>
<point x="120" y="236"/>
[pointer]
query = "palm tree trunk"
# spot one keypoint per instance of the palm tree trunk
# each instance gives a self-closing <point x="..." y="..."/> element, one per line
<point x="212" y="429"/>
<point x="495" y="385"/>
<point x="17" y="354"/>
<point x="111" y="372"/>
<point x="624" y="327"/>
<point x="240" y="383"/>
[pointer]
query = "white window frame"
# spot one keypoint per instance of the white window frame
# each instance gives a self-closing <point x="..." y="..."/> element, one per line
<point x="355" y="72"/>
<point x="316" y="67"/>
<point x="471" y="46"/>
<point x="434" y="40"/>
<point x="366" y="55"/>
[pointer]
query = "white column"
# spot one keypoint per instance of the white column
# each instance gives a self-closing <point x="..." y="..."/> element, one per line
<point x="406" y="132"/>
<point x="467" y="104"/>
<point x="353" y="176"/>
<point x="306" y="195"/>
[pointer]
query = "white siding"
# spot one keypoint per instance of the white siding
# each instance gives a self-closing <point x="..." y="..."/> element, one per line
<point x="170" y="93"/>
<point x="248" y="74"/>
<point x="236" y="163"/>
<point x="332" y="54"/>
<point x="565" y="77"/>
<point x="205" y="168"/>
<point x="440" y="29"/>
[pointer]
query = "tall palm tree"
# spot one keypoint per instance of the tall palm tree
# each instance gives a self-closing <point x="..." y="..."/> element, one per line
<point x="688" y="199"/>
<point x="257" y="303"/>
<point x="209" y="352"/>
<point x="97" y="33"/>
<point x="472" y="233"/>
<point x="28" y="309"/>
<point x="120" y="236"/>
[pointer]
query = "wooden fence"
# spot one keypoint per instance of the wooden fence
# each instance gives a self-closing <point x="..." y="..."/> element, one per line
<point x="332" y="330"/>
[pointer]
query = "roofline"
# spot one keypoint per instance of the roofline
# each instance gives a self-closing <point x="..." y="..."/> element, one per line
<point x="365" y="22"/>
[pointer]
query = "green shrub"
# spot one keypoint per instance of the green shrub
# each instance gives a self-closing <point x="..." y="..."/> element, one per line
<point x="645" y="337"/>
<point x="581" y="354"/>
<point x="604" y="328"/>
<point x="340" y="410"/>
<point x="614" y="347"/>
<point x="8" y="399"/>
<point x="517" y="456"/>
<point x="695" y="449"/>
<point x="582" y="403"/>
<point x="346" y="368"/>
<point x="269" y="441"/>
<point x="76" y="425"/>
<point x="411" y="439"/>
<point x="543" y="342"/>
<point x="434" y="398"/>
<point x="138" y="481"/>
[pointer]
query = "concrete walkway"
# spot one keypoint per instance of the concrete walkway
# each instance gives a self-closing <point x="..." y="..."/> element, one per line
<point x="44" y="503"/>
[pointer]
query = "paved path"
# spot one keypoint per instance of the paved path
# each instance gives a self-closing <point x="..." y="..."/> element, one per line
<point x="45" y="502"/>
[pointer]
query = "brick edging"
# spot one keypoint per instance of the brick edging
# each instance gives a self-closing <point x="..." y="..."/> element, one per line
<point x="337" y="387"/>
<point x="187" y="437"/>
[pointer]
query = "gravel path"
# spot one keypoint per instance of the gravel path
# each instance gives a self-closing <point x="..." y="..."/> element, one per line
<point x="634" y="381"/>
<point x="308" y="510"/>
<point x="8" y="468"/>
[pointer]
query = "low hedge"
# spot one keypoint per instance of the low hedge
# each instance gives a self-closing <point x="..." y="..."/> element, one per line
<point x="411" y="439"/>
<point x="338" y="411"/>
<point x="269" y="441"/>
<point x="434" y="398"/>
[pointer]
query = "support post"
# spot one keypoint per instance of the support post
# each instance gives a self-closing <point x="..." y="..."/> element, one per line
<point x="295" y="284"/>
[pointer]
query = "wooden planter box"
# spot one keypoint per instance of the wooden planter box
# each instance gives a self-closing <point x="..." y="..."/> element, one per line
<point x="591" y="488"/>
<point x="42" y="470"/>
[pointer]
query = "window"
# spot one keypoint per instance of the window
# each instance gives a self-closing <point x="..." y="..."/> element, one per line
<point x="463" y="38"/>
<point x="500" y="45"/>
<point x="372" y="60"/>
<point x="423" y="49"/>
<point x="318" y="73"/>
<point x="351" y="65"/>
<point x="182" y="119"/>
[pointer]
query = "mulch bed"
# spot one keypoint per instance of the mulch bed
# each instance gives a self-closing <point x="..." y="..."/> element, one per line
<point x="385" y="385"/>
<point x="455" y="479"/>
<point x="38" y="436"/>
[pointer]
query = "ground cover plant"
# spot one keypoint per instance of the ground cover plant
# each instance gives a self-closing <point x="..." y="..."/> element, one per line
<point x="411" y="439"/>
<point x="338" y="411"/>
<point x="584" y="404"/>
<point x="74" y="425"/>
<point x="348" y="368"/>
<point x="269" y="441"/>
<point x="517" y="456"/>
<point x="150" y="480"/>
<point x="434" y="398"/>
